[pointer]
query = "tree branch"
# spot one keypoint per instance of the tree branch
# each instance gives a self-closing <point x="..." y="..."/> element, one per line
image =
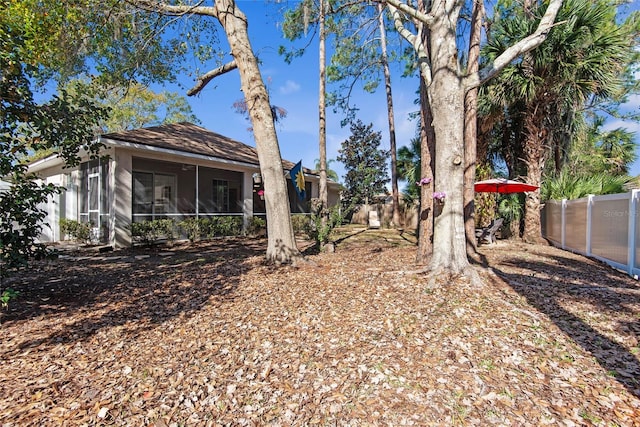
<point x="525" y="45"/>
<point x="425" y="18"/>
<point x="204" y="79"/>
<point x="175" y="10"/>
<point x="415" y="41"/>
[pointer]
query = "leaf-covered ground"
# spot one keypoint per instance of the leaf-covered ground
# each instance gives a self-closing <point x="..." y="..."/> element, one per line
<point x="208" y="335"/>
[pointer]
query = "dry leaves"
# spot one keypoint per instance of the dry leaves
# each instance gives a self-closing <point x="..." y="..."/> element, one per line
<point x="208" y="335"/>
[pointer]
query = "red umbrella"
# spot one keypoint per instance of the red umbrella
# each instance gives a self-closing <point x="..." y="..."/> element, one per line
<point x="502" y="185"/>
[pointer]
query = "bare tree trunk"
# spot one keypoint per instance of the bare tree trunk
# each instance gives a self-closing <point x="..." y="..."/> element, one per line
<point x="535" y="152"/>
<point x="392" y="126"/>
<point x="446" y="89"/>
<point x="534" y="156"/>
<point x="446" y="96"/>
<point x="322" y="115"/>
<point x="281" y="247"/>
<point x="427" y="155"/>
<point x="470" y="129"/>
<point x="427" y="168"/>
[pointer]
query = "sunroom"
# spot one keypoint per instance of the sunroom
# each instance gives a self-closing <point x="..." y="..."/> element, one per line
<point x="167" y="172"/>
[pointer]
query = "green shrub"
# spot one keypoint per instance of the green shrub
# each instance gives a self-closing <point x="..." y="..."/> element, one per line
<point x="143" y="232"/>
<point x="210" y="227"/>
<point x="6" y="296"/>
<point x="148" y="232"/>
<point x="320" y="232"/>
<point x="226" y="225"/>
<point x="166" y="228"/>
<point x="566" y="185"/>
<point x="256" y="226"/>
<point x="191" y="227"/>
<point x="75" y="230"/>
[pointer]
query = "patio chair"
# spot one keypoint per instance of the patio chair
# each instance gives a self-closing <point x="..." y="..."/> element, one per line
<point x="488" y="234"/>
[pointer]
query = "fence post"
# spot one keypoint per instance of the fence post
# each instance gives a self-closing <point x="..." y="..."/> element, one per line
<point x="589" y="222"/>
<point x="563" y="224"/>
<point x="631" y="230"/>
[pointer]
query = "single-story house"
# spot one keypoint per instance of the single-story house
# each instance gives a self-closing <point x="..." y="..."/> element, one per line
<point x="170" y="171"/>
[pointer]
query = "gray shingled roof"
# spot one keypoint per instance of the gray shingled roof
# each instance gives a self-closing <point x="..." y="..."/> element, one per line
<point x="190" y="138"/>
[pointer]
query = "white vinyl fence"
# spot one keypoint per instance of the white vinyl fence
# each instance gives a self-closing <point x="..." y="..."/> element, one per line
<point x="602" y="227"/>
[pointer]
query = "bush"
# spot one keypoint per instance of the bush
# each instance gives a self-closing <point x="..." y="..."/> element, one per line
<point x="256" y="226"/>
<point x="6" y="296"/>
<point x="148" y="232"/>
<point x="191" y="227"/>
<point x="208" y="228"/>
<point x="76" y="230"/>
<point x="226" y="225"/>
<point x="566" y="185"/>
<point x="143" y="232"/>
<point x="316" y="230"/>
<point x="166" y="228"/>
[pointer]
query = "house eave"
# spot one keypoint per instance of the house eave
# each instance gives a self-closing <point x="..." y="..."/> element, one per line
<point x="170" y="151"/>
<point x="51" y="161"/>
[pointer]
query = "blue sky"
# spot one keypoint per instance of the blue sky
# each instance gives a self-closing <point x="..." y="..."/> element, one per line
<point x="294" y="87"/>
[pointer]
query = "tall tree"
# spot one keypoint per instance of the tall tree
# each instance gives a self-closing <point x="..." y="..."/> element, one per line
<point x="427" y="146"/>
<point x="364" y="163"/>
<point x="296" y="24"/>
<point x="384" y="59"/>
<point x="281" y="246"/>
<point x="447" y="85"/>
<point x="322" y="112"/>
<point x="138" y="106"/>
<point x="45" y="44"/>
<point x="63" y="125"/>
<point x="358" y="59"/>
<point x="587" y="60"/>
<point x="470" y="125"/>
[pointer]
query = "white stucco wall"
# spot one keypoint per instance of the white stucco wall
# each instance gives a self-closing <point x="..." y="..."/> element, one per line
<point x="121" y="197"/>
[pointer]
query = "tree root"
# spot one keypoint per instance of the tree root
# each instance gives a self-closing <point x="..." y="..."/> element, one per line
<point x="420" y="271"/>
<point x="300" y="261"/>
<point x="442" y="273"/>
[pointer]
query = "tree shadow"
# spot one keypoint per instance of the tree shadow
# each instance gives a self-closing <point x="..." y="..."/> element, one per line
<point x="349" y="236"/>
<point x="553" y="286"/>
<point x="133" y="289"/>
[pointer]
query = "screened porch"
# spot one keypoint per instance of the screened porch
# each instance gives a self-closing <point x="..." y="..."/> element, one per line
<point x="172" y="190"/>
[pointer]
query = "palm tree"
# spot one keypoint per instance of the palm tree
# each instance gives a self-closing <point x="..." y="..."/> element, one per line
<point x="602" y="151"/>
<point x="331" y="174"/>
<point x="510" y="208"/>
<point x="567" y="185"/>
<point x="583" y="59"/>
<point x="408" y="169"/>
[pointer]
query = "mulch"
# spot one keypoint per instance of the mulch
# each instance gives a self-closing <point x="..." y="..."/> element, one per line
<point x="208" y="335"/>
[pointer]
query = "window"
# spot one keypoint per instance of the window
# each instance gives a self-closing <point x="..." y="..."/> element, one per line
<point x="153" y="194"/>
<point x="164" y="193"/>
<point x="220" y="195"/>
